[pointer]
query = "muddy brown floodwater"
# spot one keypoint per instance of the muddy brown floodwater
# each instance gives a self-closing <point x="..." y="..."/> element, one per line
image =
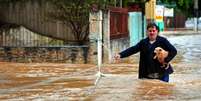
<point x="75" y="82"/>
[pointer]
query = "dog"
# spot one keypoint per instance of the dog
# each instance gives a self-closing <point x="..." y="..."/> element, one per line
<point x="160" y="55"/>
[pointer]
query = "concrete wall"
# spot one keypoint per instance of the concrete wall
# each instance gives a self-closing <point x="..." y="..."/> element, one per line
<point x="39" y="55"/>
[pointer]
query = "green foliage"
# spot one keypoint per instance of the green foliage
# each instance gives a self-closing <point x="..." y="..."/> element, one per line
<point x="181" y="5"/>
<point x="12" y="1"/>
<point x="125" y="2"/>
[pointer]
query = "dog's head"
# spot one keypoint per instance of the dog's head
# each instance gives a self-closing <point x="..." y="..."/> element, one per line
<point x="160" y="55"/>
<point x="158" y="50"/>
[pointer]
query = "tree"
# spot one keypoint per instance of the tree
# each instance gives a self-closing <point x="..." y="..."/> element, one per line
<point x="181" y="5"/>
<point x="75" y="14"/>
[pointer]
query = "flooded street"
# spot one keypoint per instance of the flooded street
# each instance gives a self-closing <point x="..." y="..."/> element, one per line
<point x="75" y="82"/>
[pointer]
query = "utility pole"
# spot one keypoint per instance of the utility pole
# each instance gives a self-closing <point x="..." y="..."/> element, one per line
<point x="196" y="15"/>
<point x="120" y="3"/>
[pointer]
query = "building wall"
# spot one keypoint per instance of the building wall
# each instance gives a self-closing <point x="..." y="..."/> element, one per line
<point x="150" y="10"/>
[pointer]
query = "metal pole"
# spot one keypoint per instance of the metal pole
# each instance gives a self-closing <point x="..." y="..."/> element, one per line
<point x="121" y="5"/>
<point x="99" y="47"/>
<point x="196" y="15"/>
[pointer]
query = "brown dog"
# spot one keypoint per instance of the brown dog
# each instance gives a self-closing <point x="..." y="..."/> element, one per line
<point x="161" y="54"/>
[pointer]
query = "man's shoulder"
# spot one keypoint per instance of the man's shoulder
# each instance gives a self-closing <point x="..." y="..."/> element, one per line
<point x="161" y="38"/>
<point x="143" y="41"/>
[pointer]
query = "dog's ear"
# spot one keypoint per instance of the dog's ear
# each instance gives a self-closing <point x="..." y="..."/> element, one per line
<point x="155" y="57"/>
<point x="155" y="51"/>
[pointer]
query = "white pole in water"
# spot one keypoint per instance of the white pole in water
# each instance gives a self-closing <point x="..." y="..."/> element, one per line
<point x="100" y="38"/>
<point x="196" y="15"/>
<point x="99" y="47"/>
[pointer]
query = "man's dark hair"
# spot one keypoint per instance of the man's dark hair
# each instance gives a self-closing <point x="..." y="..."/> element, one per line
<point x="152" y="25"/>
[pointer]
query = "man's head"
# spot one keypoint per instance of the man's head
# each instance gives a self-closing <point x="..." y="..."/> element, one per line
<point x="152" y="31"/>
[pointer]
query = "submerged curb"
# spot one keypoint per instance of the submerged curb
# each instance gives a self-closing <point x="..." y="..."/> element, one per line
<point x="180" y="32"/>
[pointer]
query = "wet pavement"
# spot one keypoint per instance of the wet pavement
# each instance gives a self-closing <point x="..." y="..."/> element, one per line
<point x="75" y="82"/>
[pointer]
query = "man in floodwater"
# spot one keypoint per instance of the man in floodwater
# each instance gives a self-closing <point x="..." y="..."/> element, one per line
<point x="150" y="67"/>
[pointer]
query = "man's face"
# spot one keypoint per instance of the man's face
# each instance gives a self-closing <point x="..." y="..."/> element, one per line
<point x="152" y="33"/>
